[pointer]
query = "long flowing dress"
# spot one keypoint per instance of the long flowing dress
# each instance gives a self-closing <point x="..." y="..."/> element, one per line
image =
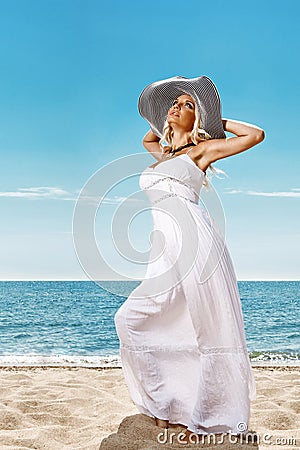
<point x="181" y="331"/>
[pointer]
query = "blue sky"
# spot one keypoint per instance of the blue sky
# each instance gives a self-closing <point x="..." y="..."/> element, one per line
<point x="71" y="73"/>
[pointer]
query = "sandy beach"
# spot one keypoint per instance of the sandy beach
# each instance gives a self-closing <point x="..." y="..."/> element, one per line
<point x="84" y="408"/>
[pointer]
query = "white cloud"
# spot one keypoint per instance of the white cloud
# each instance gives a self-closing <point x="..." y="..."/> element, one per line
<point x="56" y="193"/>
<point x="108" y="200"/>
<point x="295" y="192"/>
<point x="37" y="193"/>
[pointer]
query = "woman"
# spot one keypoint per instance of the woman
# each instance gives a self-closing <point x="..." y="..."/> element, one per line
<point x="182" y="338"/>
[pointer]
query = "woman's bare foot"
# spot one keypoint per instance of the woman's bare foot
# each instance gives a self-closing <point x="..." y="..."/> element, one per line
<point x="161" y="423"/>
<point x="187" y="437"/>
<point x="177" y="425"/>
<point x="187" y="434"/>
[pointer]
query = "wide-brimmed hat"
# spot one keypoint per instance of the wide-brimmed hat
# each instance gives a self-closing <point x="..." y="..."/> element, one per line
<point x="157" y="98"/>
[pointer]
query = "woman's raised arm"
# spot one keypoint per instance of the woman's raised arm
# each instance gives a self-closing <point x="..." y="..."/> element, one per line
<point x="247" y="135"/>
<point x="151" y="143"/>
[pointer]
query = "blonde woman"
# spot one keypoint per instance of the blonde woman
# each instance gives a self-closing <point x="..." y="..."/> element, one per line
<point x="182" y="338"/>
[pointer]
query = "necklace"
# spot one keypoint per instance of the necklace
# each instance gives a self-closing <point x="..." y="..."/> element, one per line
<point x="172" y="152"/>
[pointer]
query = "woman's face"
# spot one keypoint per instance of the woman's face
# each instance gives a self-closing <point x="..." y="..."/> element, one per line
<point x="182" y="112"/>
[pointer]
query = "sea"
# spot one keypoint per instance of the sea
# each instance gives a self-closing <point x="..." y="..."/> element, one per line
<point x="71" y="323"/>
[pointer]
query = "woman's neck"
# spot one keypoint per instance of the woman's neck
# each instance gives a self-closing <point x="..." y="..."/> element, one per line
<point x="180" y="138"/>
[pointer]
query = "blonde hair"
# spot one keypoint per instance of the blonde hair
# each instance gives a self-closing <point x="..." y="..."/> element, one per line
<point x="197" y="135"/>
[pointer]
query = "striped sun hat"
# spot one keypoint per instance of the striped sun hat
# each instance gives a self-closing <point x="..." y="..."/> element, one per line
<point x="157" y="98"/>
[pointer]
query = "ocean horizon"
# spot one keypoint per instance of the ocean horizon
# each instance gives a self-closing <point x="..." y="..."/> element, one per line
<point x="70" y="322"/>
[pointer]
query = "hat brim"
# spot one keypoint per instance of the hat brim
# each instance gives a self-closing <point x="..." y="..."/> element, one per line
<point x="157" y="98"/>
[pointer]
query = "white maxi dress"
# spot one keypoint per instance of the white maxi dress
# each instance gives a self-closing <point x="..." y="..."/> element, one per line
<point x="181" y="331"/>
